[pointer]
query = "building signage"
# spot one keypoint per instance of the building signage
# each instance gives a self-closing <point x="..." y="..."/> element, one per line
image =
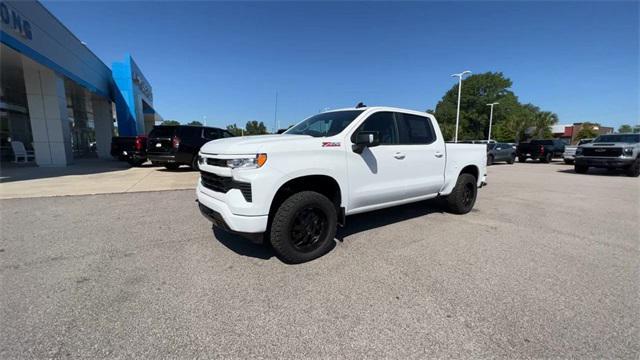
<point x="143" y="85"/>
<point x="14" y="21"/>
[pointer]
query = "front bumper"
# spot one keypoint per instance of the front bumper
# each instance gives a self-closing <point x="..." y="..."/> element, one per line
<point x="568" y="157"/>
<point x="230" y="221"/>
<point x="604" y="162"/>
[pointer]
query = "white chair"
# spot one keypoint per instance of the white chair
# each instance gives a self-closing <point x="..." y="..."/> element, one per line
<point x="20" y="152"/>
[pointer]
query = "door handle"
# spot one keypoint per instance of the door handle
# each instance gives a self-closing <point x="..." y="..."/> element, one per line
<point x="439" y="154"/>
<point x="399" y="156"/>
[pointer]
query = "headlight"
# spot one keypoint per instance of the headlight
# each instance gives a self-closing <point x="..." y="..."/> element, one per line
<point x="579" y="151"/>
<point x="201" y="160"/>
<point x="627" y="151"/>
<point x="248" y="163"/>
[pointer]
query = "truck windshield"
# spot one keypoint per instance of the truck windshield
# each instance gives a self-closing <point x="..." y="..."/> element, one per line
<point x="619" y="138"/>
<point x="325" y="124"/>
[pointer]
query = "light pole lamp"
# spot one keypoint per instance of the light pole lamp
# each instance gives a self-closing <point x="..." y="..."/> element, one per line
<point x="491" y="119"/>
<point x="460" y="75"/>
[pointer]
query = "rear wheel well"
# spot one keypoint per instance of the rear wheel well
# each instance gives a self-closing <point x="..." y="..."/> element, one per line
<point x="471" y="170"/>
<point x="322" y="184"/>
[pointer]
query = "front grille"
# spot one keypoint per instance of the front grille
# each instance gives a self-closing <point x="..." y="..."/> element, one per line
<point x="223" y="184"/>
<point x="608" y="152"/>
<point x="217" y="162"/>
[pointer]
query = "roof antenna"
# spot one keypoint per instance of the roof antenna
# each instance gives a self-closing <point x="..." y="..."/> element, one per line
<point x="360" y="105"/>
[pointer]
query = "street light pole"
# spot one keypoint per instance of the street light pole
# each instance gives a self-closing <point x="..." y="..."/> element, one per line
<point x="460" y="75"/>
<point x="491" y="119"/>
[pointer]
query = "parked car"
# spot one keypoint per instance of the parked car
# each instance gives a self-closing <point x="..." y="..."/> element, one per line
<point x="543" y="150"/>
<point x="500" y="152"/>
<point x="570" y="151"/>
<point x="299" y="185"/>
<point x="174" y="145"/>
<point x="613" y="151"/>
<point x="132" y="149"/>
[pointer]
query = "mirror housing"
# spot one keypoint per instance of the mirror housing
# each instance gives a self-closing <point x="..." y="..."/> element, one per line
<point x="366" y="139"/>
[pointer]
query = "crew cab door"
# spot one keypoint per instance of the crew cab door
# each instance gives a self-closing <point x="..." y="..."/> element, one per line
<point x="424" y="155"/>
<point x="406" y="164"/>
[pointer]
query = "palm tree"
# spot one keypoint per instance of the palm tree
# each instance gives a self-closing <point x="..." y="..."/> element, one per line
<point x="542" y="121"/>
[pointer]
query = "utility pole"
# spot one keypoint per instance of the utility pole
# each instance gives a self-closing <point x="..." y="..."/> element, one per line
<point x="204" y="119"/>
<point x="460" y="75"/>
<point x="275" y="114"/>
<point x="491" y="119"/>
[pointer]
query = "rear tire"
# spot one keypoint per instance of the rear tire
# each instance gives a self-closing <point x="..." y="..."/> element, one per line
<point x="463" y="196"/>
<point x="581" y="169"/>
<point x="489" y="160"/>
<point x="172" y="166"/>
<point x="512" y="159"/>
<point x="547" y="158"/>
<point x="634" y="169"/>
<point x="304" y="227"/>
<point x="568" y="162"/>
<point x="136" y="163"/>
<point x="522" y="159"/>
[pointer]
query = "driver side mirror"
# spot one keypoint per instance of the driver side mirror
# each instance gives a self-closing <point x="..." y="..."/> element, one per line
<point x="366" y="139"/>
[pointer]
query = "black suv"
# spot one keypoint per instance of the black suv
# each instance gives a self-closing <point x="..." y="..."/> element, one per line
<point x="175" y="145"/>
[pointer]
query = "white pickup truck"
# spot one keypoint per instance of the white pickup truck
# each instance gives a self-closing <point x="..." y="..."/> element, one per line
<point x="293" y="189"/>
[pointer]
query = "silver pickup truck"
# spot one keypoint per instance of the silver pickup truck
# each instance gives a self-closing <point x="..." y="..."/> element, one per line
<point x="621" y="151"/>
<point x="569" y="154"/>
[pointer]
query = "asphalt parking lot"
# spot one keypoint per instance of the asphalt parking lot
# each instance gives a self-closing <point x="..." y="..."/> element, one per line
<point x="547" y="265"/>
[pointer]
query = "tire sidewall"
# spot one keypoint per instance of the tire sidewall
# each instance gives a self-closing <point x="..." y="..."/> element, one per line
<point x="284" y="217"/>
<point x="456" y="199"/>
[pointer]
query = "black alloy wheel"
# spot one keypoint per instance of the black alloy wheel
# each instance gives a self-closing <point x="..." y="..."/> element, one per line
<point x="307" y="228"/>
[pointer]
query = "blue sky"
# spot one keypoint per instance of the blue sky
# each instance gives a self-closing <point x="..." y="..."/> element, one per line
<point x="225" y="61"/>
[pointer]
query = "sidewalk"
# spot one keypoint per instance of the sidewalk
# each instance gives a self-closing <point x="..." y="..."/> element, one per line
<point x="92" y="176"/>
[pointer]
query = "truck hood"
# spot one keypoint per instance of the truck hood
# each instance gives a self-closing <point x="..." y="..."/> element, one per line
<point x="608" y="144"/>
<point x="247" y="145"/>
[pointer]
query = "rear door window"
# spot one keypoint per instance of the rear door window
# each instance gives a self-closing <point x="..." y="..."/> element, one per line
<point x="211" y="134"/>
<point x="414" y="129"/>
<point x="190" y="132"/>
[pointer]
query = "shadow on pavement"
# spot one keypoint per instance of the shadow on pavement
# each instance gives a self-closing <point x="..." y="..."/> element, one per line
<point x="597" y="171"/>
<point x="10" y="172"/>
<point x="355" y="224"/>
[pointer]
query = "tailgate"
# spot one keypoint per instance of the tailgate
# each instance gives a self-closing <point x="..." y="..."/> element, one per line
<point x="160" y="145"/>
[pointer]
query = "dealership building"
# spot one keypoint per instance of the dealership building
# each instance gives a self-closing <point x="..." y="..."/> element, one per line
<point x="57" y="97"/>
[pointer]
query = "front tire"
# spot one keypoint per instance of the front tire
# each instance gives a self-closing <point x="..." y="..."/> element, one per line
<point x="512" y="159"/>
<point x="522" y="159"/>
<point x="547" y="158"/>
<point x="304" y="227"/>
<point x="463" y="196"/>
<point x="489" y="160"/>
<point x="172" y="166"/>
<point x="581" y="169"/>
<point x="634" y="169"/>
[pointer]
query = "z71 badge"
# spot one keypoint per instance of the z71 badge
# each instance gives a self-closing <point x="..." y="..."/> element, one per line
<point x="330" y="144"/>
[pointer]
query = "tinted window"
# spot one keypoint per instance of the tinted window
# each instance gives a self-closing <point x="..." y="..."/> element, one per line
<point x="190" y="132"/>
<point x="625" y="138"/>
<point x="384" y="124"/>
<point x="542" y="142"/>
<point x="325" y="124"/>
<point x="491" y="146"/>
<point x="211" y="134"/>
<point x="414" y="129"/>
<point x="163" y="131"/>
<point x="226" y="134"/>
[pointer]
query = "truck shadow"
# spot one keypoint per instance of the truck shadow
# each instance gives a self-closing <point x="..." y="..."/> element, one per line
<point x="597" y="172"/>
<point x="355" y="224"/>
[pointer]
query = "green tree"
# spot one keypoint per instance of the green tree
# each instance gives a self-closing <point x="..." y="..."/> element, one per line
<point x="255" y="128"/>
<point x="512" y="121"/>
<point x="170" y="122"/>
<point x="626" y="128"/>
<point x="195" y="123"/>
<point x="587" y="131"/>
<point x="235" y="130"/>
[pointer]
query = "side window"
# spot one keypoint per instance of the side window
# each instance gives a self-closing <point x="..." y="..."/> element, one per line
<point x="415" y="129"/>
<point x="211" y="134"/>
<point x="384" y="124"/>
<point x="226" y="134"/>
<point x="190" y="133"/>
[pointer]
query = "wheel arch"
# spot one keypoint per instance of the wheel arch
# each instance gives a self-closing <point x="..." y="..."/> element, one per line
<point x="323" y="184"/>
